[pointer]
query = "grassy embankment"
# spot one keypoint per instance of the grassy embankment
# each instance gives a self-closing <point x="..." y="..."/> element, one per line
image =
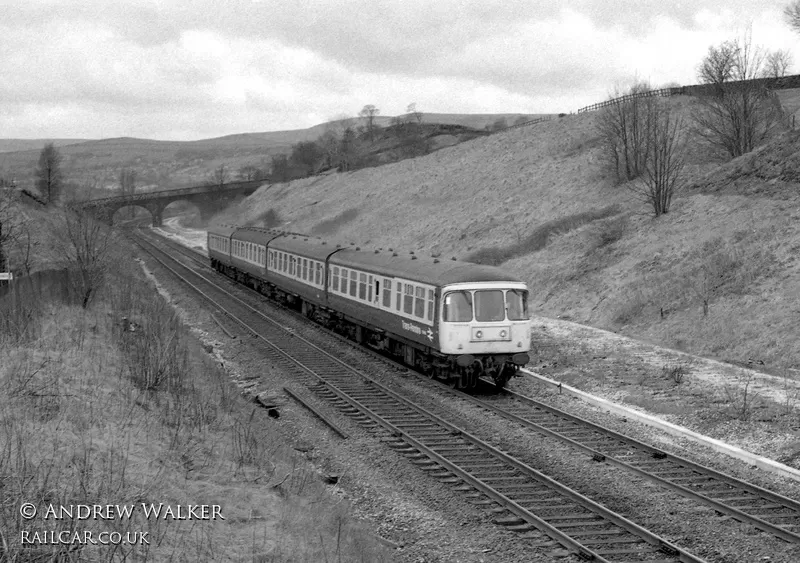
<point x="95" y="413"/>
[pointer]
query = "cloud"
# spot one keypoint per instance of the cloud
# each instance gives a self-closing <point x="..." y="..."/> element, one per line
<point x="160" y="68"/>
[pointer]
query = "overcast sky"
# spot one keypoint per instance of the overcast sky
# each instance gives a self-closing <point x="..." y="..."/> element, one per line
<point x="205" y="68"/>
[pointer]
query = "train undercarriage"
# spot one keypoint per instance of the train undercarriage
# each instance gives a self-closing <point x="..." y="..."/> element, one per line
<point x="460" y="372"/>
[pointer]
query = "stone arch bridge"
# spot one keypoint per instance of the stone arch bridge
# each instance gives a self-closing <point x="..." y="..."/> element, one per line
<point x="208" y="199"/>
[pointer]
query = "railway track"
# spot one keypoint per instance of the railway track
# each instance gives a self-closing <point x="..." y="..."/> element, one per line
<point x="744" y="502"/>
<point x="765" y="510"/>
<point x="520" y="497"/>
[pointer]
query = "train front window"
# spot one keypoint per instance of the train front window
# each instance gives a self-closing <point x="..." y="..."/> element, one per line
<point x="458" y="307"/>
<point x="517" y="304"/>
<point x="490" y="306"/>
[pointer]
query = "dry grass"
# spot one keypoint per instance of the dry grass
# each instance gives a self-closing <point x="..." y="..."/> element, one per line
<point x="97" y="410"/>
<point x="334" y="224"/>
<point x="538" y="238"/>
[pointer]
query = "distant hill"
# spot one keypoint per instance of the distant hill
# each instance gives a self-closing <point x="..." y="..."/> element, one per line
<point x="167" y="164"/>
<point x="14" y="145"/>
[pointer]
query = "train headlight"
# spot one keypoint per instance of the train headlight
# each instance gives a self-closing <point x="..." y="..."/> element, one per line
<point x="479" y="334"/>
<point x="502" y="334"/>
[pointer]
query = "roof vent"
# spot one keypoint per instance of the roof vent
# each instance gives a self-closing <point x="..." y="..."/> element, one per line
<point x="453" y="258"/>
<point x="376" y="251"/>
<point x="394" y="253"/>
<point x="413" y="257"/>
<point x="338" y="246"/>
<point x="323" y="242"/>
<point x="435" y="260"/>
<point x="391" y="250"/>
<point x="352" y="244"/>
<point x="412" y="252"/>
<point x="305" y="240"/>
<point x="358" y="248"/>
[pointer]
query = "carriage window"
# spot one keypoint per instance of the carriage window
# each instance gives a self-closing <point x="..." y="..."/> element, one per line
<point x="343" y="284"/>
<point x="430" y="304"/>
<point x="490" y="306"/>
<point x="292" y="263"/>
<point x="387" y="292"/>
<point x="399" y="301"/>
<point x="458" y="307"/>
<point x="305" y="269"/>
<point x="369" y="291"/>
<point x="271" y="258"/>
<point x="318" y="274"/>
<point x="353" y="283"/>
<point x="408" y="299"/>
<point x="517" y="305"/>
<point x="335" y="283"/>
<point x="419" y="303"/>
<point x="362" y="286"/>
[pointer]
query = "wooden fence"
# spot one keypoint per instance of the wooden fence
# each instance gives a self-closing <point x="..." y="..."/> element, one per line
<point x="782" y="83"/>
<point x="664" y="92"/>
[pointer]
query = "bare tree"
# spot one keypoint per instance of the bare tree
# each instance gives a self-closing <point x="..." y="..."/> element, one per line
<point x="622" y="128"/>
<point x="86" y="247"/>
<point x="368" y="113"/>
<point x="49" y="179"/>
<point x="9" y="223"/>
<point x="219" y="177"/>
<point x="663" y="166"/>
<point x="413" y="114"/>
<point x="279" y="168"/>
<point x="306" y="156"/>
<point x="718" y="65"/>
<point x="127" y="186"/>
<point x="777" y="64"/>
<point x="792" y="15"/>
<point x="348" y="150"/>
<point x="738" y="115"/>
<point x="250" y="172"/>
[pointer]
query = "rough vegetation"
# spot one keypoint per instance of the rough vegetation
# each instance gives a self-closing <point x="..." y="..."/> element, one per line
<point x="116" y="404"/>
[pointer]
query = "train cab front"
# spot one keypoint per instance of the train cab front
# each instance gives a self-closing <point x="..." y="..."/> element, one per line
<point x="485" y="329"/>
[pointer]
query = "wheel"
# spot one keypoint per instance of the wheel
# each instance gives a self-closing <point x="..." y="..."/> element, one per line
<point x="506" y="373"/>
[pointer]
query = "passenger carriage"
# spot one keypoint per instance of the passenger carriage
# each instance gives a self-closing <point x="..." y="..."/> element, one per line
<point x="447" y="318"/>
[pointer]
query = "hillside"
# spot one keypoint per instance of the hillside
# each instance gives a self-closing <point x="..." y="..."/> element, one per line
<point x="168" y="164"/>
<point x="591" y="252"/>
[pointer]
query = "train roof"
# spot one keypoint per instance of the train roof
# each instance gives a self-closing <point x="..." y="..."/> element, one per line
<point x="426" y="270"/>
<point x="223" y="230"/>
<point x="256" y="235"/>
<point x="311" y="247"/>
<point x="391" y="264"/>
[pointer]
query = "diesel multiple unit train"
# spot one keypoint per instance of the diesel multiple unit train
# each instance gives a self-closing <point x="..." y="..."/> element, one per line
<point x="449" y="319"/>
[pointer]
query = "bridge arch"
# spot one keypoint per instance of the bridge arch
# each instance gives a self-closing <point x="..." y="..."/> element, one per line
<point x="131" y="211"/>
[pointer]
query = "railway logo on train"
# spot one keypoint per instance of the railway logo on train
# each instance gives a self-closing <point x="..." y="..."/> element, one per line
<point x="447" y="318"/>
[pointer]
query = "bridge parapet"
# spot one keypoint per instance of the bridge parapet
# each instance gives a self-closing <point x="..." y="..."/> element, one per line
<point x="207" y="198"/>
